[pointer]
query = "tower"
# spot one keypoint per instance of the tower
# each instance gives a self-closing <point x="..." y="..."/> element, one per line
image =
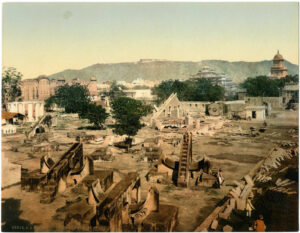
<point x="278" y="70"/>
<point x="93" y="86"/>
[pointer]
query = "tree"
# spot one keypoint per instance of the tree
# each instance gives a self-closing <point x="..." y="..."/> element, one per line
<point x="263" y="86"/>
<point x="11" y="89"/>
<point x="163" y="90"/>
<point x="201" y="90"/>
<point x="116" y="90"/>
<point x="74" y="98"/>
<point x="95" y="114"/>
<point x="127" y="112"/>
<point x="216" y="93"/>
<point x="50" y="102"/>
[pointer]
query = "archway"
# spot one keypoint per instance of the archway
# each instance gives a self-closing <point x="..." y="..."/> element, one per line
<point x="40" y="130"/>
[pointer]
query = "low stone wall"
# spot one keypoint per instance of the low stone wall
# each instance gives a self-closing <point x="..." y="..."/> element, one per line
<point x="47" y="148"/>
<point x="276" y="102"/>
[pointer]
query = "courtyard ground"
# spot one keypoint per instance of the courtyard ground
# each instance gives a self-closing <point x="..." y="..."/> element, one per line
<point x="231" y="148"/>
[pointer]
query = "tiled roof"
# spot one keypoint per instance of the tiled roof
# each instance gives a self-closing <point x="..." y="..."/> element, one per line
<point x="9" y="115"/>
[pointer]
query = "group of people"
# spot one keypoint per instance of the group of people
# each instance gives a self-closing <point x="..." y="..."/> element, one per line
<point x="258" y="225"/>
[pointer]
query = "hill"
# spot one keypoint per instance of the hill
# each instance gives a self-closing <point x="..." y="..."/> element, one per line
<point x="164" y="70"/>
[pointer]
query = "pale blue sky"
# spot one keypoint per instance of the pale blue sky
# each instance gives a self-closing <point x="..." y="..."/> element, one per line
<point x="44" y="38"/>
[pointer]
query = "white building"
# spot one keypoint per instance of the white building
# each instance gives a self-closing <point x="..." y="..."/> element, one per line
<point x="9" y="129"/>
<point x="257" y="113"/>
<point x="143" y="94"/>
<point x="32" y="110"/>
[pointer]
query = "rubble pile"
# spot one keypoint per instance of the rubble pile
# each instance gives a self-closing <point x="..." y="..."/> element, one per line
<point x="274" y="161"/>
<point x="264" y="172"/>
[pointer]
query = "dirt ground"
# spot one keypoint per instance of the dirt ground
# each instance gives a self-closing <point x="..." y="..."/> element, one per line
<point x="231" y="148"/>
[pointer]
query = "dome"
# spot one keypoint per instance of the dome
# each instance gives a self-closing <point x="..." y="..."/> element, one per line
<point x="278" y="56"/>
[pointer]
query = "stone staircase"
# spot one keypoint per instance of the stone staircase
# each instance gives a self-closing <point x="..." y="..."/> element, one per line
<point x="185" y="158"/>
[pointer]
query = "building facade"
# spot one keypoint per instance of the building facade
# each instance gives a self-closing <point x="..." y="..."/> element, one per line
<point x="32" y="110"/>
<point x="257" y="113"/>
<point x="290" y="93"/>
<point x="140" y="94"/>
<point x="42" y="87"/>
<point x="278" y="70"/>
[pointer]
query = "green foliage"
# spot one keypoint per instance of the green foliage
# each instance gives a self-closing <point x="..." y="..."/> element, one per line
<point x="50" y="102"/>
<point x="74" y="98"/>
<point x="127" y="112"/>
<point x="116" y="90"/>
<point x="148" y="109"/>
<point x="10" y="84"/>
<point x="261" y="86"/>
<point x="163" y="90"/>
<point x="291" y="78"/>
<point x="264" y="86"/>
<point x="95" y="114"/>
<point x="215" y="93"/>
<point x="202" y="90"/>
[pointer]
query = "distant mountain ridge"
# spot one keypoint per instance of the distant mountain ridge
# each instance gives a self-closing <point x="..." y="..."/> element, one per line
<point x="148" y="69"/>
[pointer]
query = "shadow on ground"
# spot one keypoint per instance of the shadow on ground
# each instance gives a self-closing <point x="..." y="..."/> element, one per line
<point x="10" y="217"/>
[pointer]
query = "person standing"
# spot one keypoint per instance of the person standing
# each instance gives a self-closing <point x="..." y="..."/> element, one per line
<point x="259" y="224"/>
<point x="220" y="177"/>
<point x="249" y="207"/>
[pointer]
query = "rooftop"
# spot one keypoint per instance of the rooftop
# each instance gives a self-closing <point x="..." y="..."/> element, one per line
<point x="252" y="107"/>
<point x="10" y="115"/>
<point x="278" y="56"/>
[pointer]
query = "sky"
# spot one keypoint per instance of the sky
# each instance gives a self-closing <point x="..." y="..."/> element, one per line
<point x="46" y="38"/>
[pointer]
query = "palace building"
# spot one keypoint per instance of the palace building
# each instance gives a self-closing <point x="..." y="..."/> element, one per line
<point x="42" y="87"/>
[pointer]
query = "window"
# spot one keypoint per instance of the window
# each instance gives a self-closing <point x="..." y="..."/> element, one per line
<point x="254" y="114"/>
